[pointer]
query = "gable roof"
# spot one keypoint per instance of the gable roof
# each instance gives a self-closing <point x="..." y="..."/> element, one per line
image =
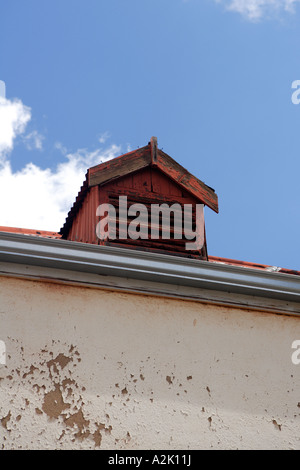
<point x="149" y="156"/>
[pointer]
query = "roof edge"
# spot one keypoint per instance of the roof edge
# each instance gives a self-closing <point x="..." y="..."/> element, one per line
<point x="153" y="267"/>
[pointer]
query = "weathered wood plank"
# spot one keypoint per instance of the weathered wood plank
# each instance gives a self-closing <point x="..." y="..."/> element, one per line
<point x="153" y="147"/>
<point x="148" y="197"/>
<point x="119" y="167"/>
<point x="141" y="158"/>
<point x="187" y="181"/>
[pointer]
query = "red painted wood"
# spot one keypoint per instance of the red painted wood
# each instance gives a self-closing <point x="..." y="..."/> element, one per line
<point x="187" y="181"/>
<point x="137" y="187"/>
<point x="134" y="175"/>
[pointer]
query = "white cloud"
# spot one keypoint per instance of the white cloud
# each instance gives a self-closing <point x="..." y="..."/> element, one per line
<point x="33" y="197"/>
<point x="2" y="89"/>
<point x="59" y="146"/>
<point x="39" y="198"/>
<point x="34" y="140"/>
<point x="103" y="137"/>
<point x="257" y="9"/>
<point x="14" y="116"/>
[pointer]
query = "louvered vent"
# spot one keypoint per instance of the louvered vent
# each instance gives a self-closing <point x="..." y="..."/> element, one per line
<point x="149" y="177"/>
<point x="176" y="240"/>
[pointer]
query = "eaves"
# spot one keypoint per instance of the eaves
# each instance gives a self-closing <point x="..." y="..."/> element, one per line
<point x="149" y="273"/>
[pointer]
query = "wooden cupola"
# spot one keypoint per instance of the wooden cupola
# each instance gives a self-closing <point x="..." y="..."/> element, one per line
<point x="148" y="177"/>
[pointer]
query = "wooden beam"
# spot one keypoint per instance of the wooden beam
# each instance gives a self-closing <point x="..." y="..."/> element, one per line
<point x="118" y="167"/>
<point x="187" y="181"/>
<point x="153" y="146"/>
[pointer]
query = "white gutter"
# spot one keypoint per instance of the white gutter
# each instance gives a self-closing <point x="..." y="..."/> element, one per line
<point x="146" y="266"/>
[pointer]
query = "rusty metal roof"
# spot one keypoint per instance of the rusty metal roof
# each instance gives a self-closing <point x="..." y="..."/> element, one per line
<point x="27" y="231"/>
<point x="246" y="264"/>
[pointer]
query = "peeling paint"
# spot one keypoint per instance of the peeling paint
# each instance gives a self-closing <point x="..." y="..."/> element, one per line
<point x="54" y="404"/>
<point x="78" y="420"/>
<point x="277" y="426"/>
<point x="58" y="396"/>
<point x="90" y="369"/>
<point x="30" y="372"/>
<point x="60" y="360"/>
<point x="5" y="420"/>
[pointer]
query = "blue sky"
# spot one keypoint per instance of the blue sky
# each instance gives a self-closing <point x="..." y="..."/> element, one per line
<point x="87" y="81"/>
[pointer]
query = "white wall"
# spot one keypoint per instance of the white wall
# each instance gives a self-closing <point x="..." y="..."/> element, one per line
<point x="94" y="369"/>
